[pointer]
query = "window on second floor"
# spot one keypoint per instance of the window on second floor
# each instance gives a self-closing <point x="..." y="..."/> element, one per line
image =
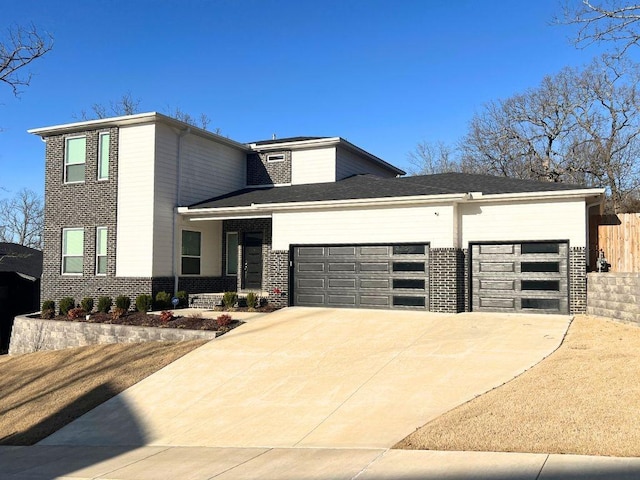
<point x="72" y="251"/>
<point x="75" y="154"/>
<point x="190" y="252"/>
<point x="275" y="157"/>
<point x="103" y="156"/>
<point x="101" y="251"/>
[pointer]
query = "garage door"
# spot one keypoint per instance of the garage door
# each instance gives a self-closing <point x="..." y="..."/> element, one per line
<point x="522" y="276"/>
<point x="361" y="276"/>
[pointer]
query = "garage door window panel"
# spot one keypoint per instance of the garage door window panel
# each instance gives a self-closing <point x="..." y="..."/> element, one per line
<point x="408" y="266"/>
<point x="409" y="283"/>
<point x="533" y="248"/>
<point x="409" y="249"/>
<point x="540" y="303"/>
<point x="402" y="301"/>
<point x="540" y="267"/>
<point x="548" y="285"/>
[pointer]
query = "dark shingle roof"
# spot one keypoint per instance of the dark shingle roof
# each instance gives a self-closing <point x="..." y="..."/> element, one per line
<point x="370" y="186"/>
<point x="16" y="258"/>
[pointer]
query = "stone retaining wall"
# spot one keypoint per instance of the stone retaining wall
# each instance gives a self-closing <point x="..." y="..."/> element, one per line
<point x="33" y="334"/>
<point x="614" y="295"/>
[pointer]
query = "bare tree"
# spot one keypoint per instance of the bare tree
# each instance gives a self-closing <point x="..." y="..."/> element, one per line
<point x="125" y="105"/>
<point x="21" y="46"/>
<point x="612" y="21"/>
<point x="201" y="121"/>
<point x="433" y="157"/>
<point x="22" y="219"/>
<point x="579" y="127"/>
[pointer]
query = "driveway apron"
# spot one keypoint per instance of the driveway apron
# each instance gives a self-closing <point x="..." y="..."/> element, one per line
<point x="322" y="378"/>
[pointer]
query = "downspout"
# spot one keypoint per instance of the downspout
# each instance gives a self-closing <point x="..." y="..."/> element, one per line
<point x="176" y="240"/>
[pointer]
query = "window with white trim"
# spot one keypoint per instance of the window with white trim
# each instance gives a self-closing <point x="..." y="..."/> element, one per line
<point x="75" y="154"/>
<point x="101" y="250"/>
<point x="72" y="251"/>
<point x="103" y="156"/>
<point x="275" y="157"/>
<point x="232" y="253"/>
<point x="191" y="242"/>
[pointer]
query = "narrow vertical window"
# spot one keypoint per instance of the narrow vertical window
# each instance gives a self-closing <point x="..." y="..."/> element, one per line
<point x="103" y="157"/>
<point x="72" y="251"/>
<point x="75" y="154"/>
<point x="232" y="253"/>
<point x="101" y="251"/>
<point x="191" y="252"/>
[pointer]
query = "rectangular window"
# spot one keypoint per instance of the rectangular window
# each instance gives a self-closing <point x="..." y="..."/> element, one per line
<point x="103" y="157"/>
<point x="232" y="253"/>
<point x="540" y="247"/>
<point x="275" y="157"/>
<point x="408" y="249"/>
<point x="190" y="252"/>
<point x="540" y="303"/>
<point x="408" y="283"/>
<point x="408" y="267"/>
<point x="400" y="301"/>
<point x="101" y="251"/>
<point x="75" y="154"/>
<point x="72" y="250"/>
<point x="540" y="267"/>
<point x="553" y="285"/>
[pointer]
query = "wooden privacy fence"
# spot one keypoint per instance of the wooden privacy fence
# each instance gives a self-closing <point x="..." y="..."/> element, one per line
<point x="618" y="236"/>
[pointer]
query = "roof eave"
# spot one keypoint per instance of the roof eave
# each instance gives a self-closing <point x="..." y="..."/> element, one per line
<point x="137" y="119"/>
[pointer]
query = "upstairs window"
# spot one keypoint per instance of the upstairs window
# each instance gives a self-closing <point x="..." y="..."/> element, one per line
<point x="103" y="157"/>
<point x="190" y="252"/>
<point x="72" y="251"/>
<point x="75" y="154"/>
<point x="275" y="157"/>
<point x="101" y="251"/>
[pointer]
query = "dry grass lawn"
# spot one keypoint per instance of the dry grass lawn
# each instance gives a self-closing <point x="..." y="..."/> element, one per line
<point x="43" y="391"/>
<point x="582" y="399"/>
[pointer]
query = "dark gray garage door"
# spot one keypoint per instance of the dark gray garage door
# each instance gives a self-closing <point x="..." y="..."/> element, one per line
<point x="365" y="276"/>
<point x="522" y="276"/>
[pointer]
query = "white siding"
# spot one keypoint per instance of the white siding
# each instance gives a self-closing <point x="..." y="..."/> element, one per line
<point x="551" y="220"/>
<point x="378" y="225"/>
<point x="209" y="169"/>
<point x="211" y="247"/>
<point x="349" y="163"/>
<point x="165" y="191"/>
<point x="134" y="252"/>
<point x="313" y="166"/>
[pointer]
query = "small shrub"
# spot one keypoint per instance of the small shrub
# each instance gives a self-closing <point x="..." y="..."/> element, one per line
<point x="118" y="313"/>
<point x="196" y="315"/>
<point x="123" y="302"/>
<point x="163" y="301"/>
<point x="75" y="313"/>
<point x="66" y="304"/>
<point x="166" y="316"/>
<point x="184" y="299"/>
<point x="143" y="303"/>
<point x="223" y="320"/>
<point x="47" y="313"/>
<point x="252" y="300"/>
<point x="48" y="305"/>
<point x="87" y="304"/>
<point x="104" y="304"/>
<point x="229" y="299"/>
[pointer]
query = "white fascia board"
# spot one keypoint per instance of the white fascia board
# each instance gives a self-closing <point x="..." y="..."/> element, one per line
<point x="351" y="203"/>
<point x="137" y="119"/>
<point x="553" y="194"/>
<point x="229" y="217"/>
<point x="298" y="145"/>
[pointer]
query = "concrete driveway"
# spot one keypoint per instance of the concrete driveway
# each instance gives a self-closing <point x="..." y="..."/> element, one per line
<point x="326" y="378"/>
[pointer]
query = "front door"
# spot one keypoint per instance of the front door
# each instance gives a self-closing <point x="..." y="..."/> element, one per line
<point x="252" y="258"/>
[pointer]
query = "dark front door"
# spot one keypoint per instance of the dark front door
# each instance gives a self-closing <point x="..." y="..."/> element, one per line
<point x="252" y="258"/>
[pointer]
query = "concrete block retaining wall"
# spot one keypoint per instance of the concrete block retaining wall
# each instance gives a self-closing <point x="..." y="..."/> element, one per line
<point x="614" y="295"/>
<point x="33" y="334"/>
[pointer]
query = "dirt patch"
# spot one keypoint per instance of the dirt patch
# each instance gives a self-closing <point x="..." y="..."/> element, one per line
<point x="41" y="392"/>
<point x="583" y="399"/>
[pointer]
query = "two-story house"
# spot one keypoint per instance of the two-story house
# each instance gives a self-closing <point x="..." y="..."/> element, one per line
<point x="144" y="203"/>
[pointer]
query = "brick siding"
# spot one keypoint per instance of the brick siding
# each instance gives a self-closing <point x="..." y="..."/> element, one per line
<point x="261" y="172"/>
<point x="446" y="280"/>
<point x="577" y="280"/>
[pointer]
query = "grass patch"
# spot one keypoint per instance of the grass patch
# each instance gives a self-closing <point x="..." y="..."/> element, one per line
<point x="583" y="399"/>
<point x="41" y="392"/>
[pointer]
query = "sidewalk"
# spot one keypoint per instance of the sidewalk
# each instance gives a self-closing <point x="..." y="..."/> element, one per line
<point x="199" y="463"/>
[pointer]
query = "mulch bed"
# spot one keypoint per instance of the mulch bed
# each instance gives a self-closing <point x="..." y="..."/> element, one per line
<point x="149" y="320"/>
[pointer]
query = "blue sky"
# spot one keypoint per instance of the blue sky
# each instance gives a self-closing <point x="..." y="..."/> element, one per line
<point x="385" y="75"/>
